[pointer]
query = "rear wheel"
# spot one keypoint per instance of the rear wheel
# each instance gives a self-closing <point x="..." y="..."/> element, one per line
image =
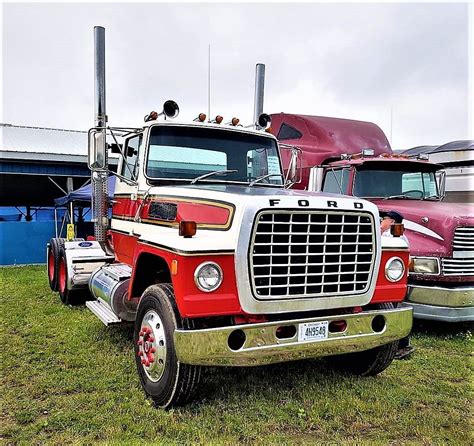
<point x="369" y="362"/>
<point x="164" y="379"/>
<point x="54" y="250"/>
<point x="68" y="297"/>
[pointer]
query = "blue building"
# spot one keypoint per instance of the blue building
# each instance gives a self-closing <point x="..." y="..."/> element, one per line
<point x="37" y="165"/>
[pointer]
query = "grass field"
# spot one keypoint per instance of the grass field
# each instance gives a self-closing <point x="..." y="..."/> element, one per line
<point x="67" y="379"/>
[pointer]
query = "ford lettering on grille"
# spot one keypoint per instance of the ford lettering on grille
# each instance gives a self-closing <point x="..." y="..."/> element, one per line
<point x="300" y="254"/>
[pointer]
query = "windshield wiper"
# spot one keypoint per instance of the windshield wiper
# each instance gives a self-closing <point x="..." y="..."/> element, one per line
<point x="257" y="180"/>
<point x="210" y="174"/>
<point x="404" y="196"/>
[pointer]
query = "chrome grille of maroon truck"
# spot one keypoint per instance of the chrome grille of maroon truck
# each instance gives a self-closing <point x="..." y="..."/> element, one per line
<point x="462" y="262"/>
<point x="299" y="254"/>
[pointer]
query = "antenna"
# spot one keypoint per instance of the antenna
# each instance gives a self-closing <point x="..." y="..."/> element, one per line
<point x="209" y="84"/>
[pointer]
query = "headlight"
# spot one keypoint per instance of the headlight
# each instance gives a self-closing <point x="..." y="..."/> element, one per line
<point x="208" y="276"/>
<point x="424" y="265"/>
<point x="394" y="269"/>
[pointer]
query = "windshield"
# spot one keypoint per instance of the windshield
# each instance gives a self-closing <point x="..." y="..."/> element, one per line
<point x="186" y="153"/>
<point x="395" y="184"/>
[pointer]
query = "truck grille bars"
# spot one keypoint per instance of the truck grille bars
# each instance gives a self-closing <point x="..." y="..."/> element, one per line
<point x="462" y="263"/>
<point x="300" y="254"/>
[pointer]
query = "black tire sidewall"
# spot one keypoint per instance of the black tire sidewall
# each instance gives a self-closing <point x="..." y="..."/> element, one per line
<point x="162" y="391"/>
<point x="56" y="245"/>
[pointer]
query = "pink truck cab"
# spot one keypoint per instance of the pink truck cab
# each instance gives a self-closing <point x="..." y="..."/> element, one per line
<point x="355" y="158"/>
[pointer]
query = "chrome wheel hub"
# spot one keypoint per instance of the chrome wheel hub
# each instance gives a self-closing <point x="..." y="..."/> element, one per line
<point x="152" y="346"/>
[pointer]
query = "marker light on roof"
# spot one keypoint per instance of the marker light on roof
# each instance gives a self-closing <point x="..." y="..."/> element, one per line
<point x="201" y="117"/>
<point x="218" y="119"/>
<point x="368" y="152"/>
<point x="235" y="121"/>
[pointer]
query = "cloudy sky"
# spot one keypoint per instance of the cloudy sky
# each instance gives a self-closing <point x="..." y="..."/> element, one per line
<point x="360" y="61"/>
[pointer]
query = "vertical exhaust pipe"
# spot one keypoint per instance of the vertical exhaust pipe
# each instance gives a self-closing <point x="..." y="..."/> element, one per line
<point x="259" y="90"/>
<point x="100" y="199"/>
<point x="99" y="76"/>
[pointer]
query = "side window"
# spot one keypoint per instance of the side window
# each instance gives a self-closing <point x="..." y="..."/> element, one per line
<point x="288" y="132"/>
<point x="335" y="180"/>
<point x="130" y="163"/>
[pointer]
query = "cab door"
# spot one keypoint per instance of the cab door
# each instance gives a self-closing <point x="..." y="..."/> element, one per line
<point x="126" y="201"/>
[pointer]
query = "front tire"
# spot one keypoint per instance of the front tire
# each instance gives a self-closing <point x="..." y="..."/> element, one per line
<point x="369" y="362"/>
<point x="164" y="379"/>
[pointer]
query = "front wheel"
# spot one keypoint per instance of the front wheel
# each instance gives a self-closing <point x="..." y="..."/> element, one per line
<point x="164" y="379"/>
<point x="369" y="362"/>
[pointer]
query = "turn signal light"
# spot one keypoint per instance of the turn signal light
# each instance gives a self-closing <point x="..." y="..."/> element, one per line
<point x="397" y="229"/>
<point x="187" y="228"/>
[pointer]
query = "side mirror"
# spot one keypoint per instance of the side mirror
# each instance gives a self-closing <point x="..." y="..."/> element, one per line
<point x="293" y="174"/>
<point x="97" y="150"/>
<point x="442" y="184"/>
<point x="316" y="176"/>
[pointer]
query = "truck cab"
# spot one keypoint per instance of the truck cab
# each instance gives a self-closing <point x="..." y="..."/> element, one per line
<point x="441" y="235"/>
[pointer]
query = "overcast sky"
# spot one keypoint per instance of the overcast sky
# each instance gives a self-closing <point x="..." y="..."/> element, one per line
<point x="354" y="61"/>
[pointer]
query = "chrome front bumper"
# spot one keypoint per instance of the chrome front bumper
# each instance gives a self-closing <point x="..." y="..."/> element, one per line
<point x="261" y="345"/>
<point x="442" y="304"/>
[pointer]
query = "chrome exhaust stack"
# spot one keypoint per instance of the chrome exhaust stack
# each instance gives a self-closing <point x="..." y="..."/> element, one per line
<point x="100" y="199"/>
<point x="259" y="91"/>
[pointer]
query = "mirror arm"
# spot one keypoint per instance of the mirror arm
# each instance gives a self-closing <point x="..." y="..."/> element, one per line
<point x="121" y="152"/>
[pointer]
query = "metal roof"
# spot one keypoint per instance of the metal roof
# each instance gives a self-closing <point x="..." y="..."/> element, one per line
<point x="43" y="140"/>
<point x="453" y="146"/>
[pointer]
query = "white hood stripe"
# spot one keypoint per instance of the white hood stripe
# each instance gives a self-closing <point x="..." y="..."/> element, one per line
<point x="412" y="226"/>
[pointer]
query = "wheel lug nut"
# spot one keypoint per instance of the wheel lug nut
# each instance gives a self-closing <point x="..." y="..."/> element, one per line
<point x="151" y="358"/>
<point x="140" y="342"/>
<point x="141" y="333"/>
<point x="151" y="339"/>
<point x="152" y="350"/>
<point x="140" y="353"/>
<point x="143" y="361"/>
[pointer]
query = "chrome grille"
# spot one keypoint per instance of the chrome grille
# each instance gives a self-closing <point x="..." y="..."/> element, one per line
<point x="462" y="263"/>
<point x="311" y="253"/>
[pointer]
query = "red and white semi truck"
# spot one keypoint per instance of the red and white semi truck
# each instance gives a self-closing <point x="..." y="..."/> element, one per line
<point x="354" y="158"/>
<point x="217" y="262"/>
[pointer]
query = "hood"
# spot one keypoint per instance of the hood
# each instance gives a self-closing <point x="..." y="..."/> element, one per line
<point x="241" y="196"/>
<point x="430" y="225"/>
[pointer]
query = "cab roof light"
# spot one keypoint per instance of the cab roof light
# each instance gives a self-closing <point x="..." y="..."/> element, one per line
<point x="234" y="122"/>
<point x="368" y="152"/>
<point x="200" y="118"/>
<point x="152" y="116"/>
<point x="218" y="119"/>
<point x="187" y="228"/>
<point x="345" y="156"/>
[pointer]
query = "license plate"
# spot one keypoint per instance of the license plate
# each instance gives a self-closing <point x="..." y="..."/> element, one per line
<point x="311" y="331"/>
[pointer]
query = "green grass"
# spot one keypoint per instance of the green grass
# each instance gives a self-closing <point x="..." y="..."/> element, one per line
<point x="67" y="379"/>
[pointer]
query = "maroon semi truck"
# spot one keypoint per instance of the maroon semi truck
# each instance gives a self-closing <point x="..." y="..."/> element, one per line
<point x="355" y="158"/>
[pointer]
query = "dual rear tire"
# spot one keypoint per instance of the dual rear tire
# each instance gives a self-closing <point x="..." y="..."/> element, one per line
<point x="58" y="273"/>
